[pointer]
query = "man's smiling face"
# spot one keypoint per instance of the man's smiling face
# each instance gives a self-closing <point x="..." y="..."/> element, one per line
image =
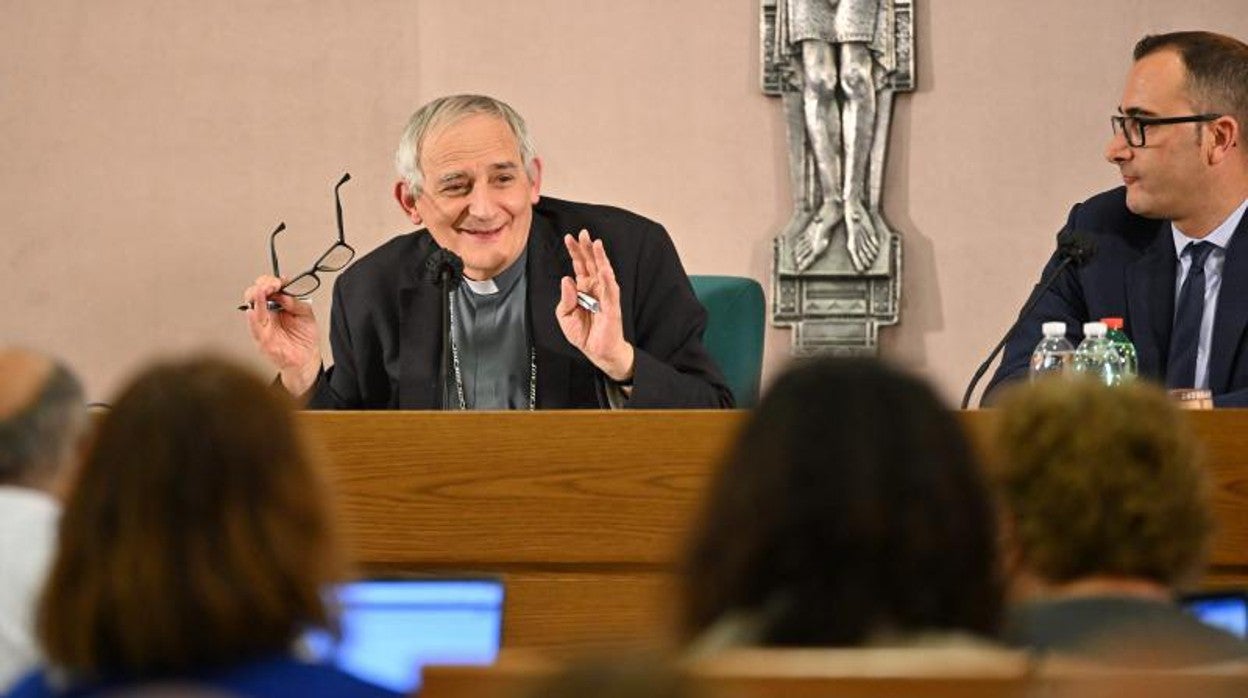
<point x="477" y="198"/>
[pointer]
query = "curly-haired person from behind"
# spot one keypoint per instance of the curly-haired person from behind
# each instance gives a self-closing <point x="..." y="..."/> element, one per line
<point x="1107" y="516"/>
<point x="195" y="547"/>
<point x="850" y="512"/>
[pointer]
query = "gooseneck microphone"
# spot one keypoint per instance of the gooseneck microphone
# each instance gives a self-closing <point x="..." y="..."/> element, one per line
<point x="1074" y="249"/>
<point x="444" y="269"/>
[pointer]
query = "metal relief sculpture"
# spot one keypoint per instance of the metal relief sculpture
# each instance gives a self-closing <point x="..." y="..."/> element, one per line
<point x="836" y="64"/>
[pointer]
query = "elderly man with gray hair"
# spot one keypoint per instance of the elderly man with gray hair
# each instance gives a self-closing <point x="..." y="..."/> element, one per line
<point x="562" y="304"/>
<point x="42" y="421"/>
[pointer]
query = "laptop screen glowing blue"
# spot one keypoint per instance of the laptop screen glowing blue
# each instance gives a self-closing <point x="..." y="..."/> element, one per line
<point x="391" y="628"/>
<point x="1228" y="611"/>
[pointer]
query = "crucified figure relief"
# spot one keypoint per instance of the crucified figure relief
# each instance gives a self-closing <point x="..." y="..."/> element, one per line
<point x="834" y="54"/>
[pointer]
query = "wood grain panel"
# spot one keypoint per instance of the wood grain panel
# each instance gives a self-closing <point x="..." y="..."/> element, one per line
<point x="463" y="682"/>
<point x="1225" y="436"/>
<point x="504" y="488"/>
<point x="907" y="673"/>
<point x="584" y="513"/>
<point x="790" y="673"/>
<point x="589" y="612"/>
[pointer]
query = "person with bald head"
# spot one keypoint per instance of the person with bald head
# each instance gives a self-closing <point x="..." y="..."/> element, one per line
<point x="42" y="420"/>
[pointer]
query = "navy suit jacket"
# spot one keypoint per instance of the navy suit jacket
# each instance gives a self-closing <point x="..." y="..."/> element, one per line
<point x="385" y="326"/>
<point x="1132" y="276"/>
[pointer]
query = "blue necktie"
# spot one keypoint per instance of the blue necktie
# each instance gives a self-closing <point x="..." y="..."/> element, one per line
<point x="1185" y="336"/>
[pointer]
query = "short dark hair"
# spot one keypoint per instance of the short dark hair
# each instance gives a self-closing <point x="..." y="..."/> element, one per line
<point x="850" y="504"/>
<point x="197" y="534"/>
<point x="38" y="439"/>
<point x="1100" y="481"/>
<point x="1217" y="69"/>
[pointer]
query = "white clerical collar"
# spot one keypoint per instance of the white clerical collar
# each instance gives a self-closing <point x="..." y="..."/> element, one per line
<point x="482" y="288"/>
<point x="503" y="281"/>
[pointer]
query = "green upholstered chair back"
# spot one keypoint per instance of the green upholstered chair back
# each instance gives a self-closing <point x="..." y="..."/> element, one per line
<point x="734" y="330"/>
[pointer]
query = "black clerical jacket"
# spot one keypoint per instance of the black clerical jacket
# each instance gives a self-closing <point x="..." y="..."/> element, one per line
<point x="385" y="326"/>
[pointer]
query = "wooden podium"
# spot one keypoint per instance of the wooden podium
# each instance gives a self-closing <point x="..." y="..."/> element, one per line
<point x="584" y="513"/>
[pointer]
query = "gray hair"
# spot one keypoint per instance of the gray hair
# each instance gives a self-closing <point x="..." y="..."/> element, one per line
<point x="448" y="110"/>
<point x="38" y="439"/>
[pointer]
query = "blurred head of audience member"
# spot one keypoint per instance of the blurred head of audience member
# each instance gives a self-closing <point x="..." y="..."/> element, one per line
<point x="1107" y="515"/>
<point x="197" y="538"/>
<point x="43" y="417"/>
<point x="42" y="423"/>
<point x="850" y="511"/>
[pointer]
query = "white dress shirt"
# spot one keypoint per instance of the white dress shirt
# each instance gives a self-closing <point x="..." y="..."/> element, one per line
<point x="1220" y="238"/>
<point x="28" y="521"/>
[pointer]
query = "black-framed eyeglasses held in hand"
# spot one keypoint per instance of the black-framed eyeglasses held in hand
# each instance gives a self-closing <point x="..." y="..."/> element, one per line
<point x="1132" y="126"/>
<point x="338" y="256"/>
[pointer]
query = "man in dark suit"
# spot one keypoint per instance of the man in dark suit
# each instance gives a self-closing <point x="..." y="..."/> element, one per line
<point x="1171" y="250"/>
<point x="519" y="337"/>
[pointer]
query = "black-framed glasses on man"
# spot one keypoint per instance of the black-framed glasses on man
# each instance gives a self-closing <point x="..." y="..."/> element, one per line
<point x="338" y="256"/>
<point x="1132" y="126"/>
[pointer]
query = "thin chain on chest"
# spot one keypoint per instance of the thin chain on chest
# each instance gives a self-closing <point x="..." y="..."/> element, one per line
<point x="459" y="376"/>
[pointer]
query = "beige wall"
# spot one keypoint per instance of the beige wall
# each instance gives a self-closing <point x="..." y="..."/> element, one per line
<point x="151" y="145"/>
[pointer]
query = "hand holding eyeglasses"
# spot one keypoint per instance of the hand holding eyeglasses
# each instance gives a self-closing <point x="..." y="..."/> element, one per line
<point x="288" y="339"/>
<point x="338" y="256"/>
<point x="283" y="327"/>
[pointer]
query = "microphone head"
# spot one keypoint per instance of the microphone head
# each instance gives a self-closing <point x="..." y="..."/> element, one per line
<point x="1077" y="246"/>
<point x="443" y="262"/>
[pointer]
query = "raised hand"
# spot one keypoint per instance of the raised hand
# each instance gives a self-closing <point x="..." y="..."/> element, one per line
<point x="599" y="336"/>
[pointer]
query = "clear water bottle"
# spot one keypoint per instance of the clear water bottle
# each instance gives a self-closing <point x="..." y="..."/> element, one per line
<point x="1097" y="356"/>
<point x="1130" y="364"/>
<point x="1053" y="354"/>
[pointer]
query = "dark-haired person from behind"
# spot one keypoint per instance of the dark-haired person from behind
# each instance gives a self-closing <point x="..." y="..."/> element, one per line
<point x="1171" y="258"/>
<point x="196" y="546"/>
<point x="850" y="512"/>
<point x="1107" y="517"/>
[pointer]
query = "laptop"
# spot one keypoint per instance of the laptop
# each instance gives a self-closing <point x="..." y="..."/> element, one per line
<point x="393" y="627"/>
<point x="1226" y="610"/>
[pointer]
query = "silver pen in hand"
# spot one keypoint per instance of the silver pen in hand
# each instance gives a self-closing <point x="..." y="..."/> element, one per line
<point x="587" y="302"/>
<point x="271" y="305"/>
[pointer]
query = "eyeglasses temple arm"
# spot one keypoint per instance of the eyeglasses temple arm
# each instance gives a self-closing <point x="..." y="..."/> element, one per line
<point x="346" y="176"/>
<point x="273" y="248"/>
